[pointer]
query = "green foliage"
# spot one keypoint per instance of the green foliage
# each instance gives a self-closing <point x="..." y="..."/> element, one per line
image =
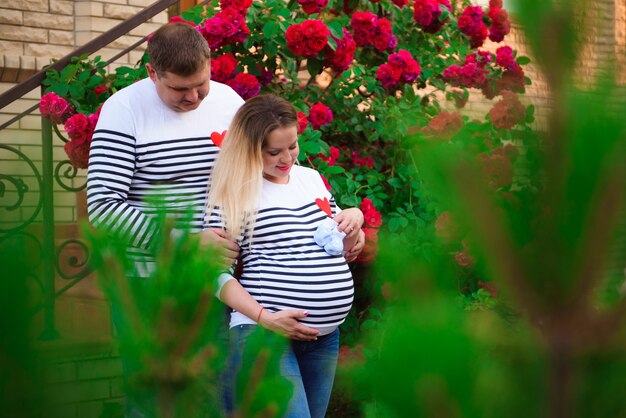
<point x="544" y="242"/>
<point x="77" y="83"/>
<point x="171" y="327"/>
<point x="21" y="379"/>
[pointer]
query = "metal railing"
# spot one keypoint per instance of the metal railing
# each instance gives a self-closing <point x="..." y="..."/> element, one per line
<point x="13" y="183"/>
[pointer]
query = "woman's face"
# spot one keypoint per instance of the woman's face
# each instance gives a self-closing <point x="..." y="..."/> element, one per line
<point x="280" y="153"/>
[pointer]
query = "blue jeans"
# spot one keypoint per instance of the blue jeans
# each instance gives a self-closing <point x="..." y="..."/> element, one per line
<point x="309" y="365"/>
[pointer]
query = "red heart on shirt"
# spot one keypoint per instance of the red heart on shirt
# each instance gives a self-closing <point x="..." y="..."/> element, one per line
<point x="325" y="206"/>
<point x="217" y="138"/>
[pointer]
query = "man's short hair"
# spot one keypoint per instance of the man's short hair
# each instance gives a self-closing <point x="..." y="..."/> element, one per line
<point x="178" y="48"/>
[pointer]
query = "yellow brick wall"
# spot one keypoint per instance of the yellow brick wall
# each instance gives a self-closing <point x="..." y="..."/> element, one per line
<point x="603" y="42"/>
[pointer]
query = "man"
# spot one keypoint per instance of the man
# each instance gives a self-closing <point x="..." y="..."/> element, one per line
<point x="153" y="140"/>
<point x="153" y="146"/>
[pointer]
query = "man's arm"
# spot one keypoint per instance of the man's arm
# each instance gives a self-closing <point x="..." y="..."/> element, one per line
<point x="111" y="169"/>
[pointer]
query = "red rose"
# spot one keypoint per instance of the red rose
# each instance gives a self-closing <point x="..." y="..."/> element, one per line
<point x="400" y="3"/>
<point x="307" y="38"/>
<point x="334" y="155"/>
<point x="341" y="58"/>
<point x="446" y="229"/>
<point x="246" y="85"/>
<point x="351" y="356"/>
<point x="241" y="5"/>
<point x="373" y="218"/>
<point x="497" y="170"/>
<point x="405" y="62"/>
<point x="508" y="112"/>
<point x="367" y="205"/>
<point x="320" y="115"/>
<point x="266" y="76"/>
<point x="78" y="153"/>
<point x="225" y="28"/>
<point x="362" y="161"/>
<point x="303" y="122"/>
<point x="223" y="68"/>
<point x="510" y="151"/>
<point x="500" y="25"/>
<point x="364" y="26"/>
<point x="384" y="38"/>
<point x="55" y="108"/>
<point x="426" y="13"/>
<point x="313" y="6"/>
<point x="512" y="79"/>
<point x="464" y="259"/>
<point x="446" y="124"/>
<point x="471" y="24"/>
<point x="79" y="128"/>
<point x="99" y="90"/>
<point x="389" y="75"/>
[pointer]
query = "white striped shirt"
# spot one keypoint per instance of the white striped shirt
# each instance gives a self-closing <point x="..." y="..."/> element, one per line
<point x="143" y="155"/>
<point x="283" y="267"/>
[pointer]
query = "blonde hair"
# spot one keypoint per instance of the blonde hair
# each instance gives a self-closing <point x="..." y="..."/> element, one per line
<point x="237" y="177"/>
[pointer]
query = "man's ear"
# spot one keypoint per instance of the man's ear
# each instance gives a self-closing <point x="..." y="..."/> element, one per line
<point x="151" y="72"/>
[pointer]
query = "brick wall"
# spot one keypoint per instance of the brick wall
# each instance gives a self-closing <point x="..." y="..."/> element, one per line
<point x="80" y="378"/>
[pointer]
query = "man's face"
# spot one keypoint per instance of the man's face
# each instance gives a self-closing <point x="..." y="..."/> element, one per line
<point x="181" y="93"/>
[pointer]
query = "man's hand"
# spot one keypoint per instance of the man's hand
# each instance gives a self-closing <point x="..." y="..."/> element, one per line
<point x="218" y="237"/>
<point x="286" y="324"/>
<point x="356" y="249"/>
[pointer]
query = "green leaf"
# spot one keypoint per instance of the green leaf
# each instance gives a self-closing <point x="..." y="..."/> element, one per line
<point x="314" y="66"/>
<point x="395" y="183"/>
<point x="77" y="91"/>
<point x="270" y="29"/>
<point x="60" y="89"/>
<point x="335" y="169"/>
<point x="336" y="29"/>
<point x="83" y="76"/>
<point x="94" y="81"/>
<point x="69" y="72"/>
<point x="522" y="60"/>
<point x="310" y="148"/>
<point x="530" y="114"/>
<point x="121" y="71"/>
<point x="332" y="43"/>
<point x="271" y="48"/>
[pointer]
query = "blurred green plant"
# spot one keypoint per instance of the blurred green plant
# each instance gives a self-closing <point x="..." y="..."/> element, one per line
<point x="172" y="329"/>
<point x="21" y="379"/>
<point x="556" y="348"/>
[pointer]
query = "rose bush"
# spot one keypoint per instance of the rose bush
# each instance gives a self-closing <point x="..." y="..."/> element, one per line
<point x="362" y="75"/>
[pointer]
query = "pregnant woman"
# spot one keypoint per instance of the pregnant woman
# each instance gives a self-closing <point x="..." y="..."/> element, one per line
<point x="289" y="284"/>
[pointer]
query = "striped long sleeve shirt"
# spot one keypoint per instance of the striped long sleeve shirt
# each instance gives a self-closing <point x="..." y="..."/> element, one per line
<point x="145" y="156"/>
<point x="283" y="267"/>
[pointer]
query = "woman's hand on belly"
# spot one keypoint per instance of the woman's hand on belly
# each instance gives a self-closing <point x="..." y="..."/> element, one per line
<point x="286" y="324"/>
